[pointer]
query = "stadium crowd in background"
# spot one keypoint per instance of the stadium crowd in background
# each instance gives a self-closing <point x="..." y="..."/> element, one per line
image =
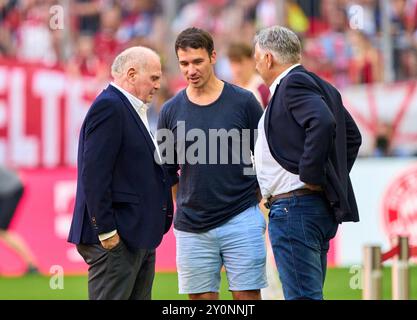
<point x="343" y="40"/>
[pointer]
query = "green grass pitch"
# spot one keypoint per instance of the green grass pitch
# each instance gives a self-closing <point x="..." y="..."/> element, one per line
<point x="34" y="287"/>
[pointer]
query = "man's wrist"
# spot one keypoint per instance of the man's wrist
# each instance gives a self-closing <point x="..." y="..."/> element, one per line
<point x="107" y="235"/>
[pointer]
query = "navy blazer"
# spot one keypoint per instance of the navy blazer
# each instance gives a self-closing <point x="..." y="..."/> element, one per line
<point x="310" y="133"/>
<point x="120" y="186"/>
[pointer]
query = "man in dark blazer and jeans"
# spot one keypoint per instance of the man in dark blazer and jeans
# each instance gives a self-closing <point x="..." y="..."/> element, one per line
<point x="123" y="203"/>
<point x="307" y="144"/>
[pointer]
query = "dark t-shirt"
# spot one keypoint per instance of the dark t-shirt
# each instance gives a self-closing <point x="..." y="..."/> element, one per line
<point x="216" y="180"/>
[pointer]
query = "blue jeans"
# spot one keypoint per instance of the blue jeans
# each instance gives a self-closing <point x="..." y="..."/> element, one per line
<point x="300" y="229"/>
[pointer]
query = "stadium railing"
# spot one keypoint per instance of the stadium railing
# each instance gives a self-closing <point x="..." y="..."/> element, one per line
<point x="374" y="258"/>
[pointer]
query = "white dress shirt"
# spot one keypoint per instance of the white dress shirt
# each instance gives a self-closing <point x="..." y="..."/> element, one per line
<point x="141" y="109"/>
<point x="273" y="179"/>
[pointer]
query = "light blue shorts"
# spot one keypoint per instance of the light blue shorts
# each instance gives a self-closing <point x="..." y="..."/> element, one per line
<point x="238" y="245"/>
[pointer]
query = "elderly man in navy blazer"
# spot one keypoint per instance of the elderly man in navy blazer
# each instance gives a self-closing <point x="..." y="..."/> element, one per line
<point x="307" y="144"/>
<point x="123" y="203"/>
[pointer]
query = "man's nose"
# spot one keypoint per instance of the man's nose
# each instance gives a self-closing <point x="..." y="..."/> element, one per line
<point x="191" y="69"/>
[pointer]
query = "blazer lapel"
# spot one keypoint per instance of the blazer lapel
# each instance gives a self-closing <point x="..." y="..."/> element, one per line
<point x="268" y="111"/>
<point x="267" y="119"/>
<point x="135" y="116"/>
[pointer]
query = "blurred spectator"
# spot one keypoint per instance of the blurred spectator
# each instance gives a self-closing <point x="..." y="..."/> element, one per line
<point x="382" y="140"/>
<point x="84" y="60"/>
<point x="241" y="22"/>
<point x="250" y="23"/>
<point x="329" y="54"/>
<point x="402" y="38"/>
<point x="312" y="10"/>
<point x="296" y="18"/>
<point x="204" y="14"/>
<point x="106" y="43"/>
<point x="35" y="41"/>
<point x="11" y="191"/>
<point x="408" y="64"/>
<point x="115" y="24"/>
<point x="364" y="15"/>
<point x="9" y="20"/>
<point x="244" y="73"/>
<point x="266" y="13"/>
<point x="384" y="144"/>
<point x="139" y="19"/>
<point x="87" y="15"/>
<point x="366" y="65"/>
<point x="398" y="16"/>
<point x="5" y="41"/>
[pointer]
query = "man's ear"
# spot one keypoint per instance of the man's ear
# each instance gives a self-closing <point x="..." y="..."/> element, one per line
<point x="213" y="57"/>
<point x="269" y="60"/>
<point x="131" y="74"/>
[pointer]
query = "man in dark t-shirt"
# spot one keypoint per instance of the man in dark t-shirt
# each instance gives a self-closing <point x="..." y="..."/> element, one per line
<point x="208" y="131"/>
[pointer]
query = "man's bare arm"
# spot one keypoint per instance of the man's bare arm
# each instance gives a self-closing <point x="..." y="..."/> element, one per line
<point x="174" y="192"/>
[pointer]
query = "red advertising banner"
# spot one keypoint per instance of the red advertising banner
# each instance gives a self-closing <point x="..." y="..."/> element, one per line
<point x="42" y="109"/>
<point x="43" y="219"/>
<point x="41" y="112"/>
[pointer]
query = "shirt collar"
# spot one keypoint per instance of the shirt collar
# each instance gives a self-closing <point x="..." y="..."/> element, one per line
<point x="136" y="102"/>
<point x="280" y="77"/>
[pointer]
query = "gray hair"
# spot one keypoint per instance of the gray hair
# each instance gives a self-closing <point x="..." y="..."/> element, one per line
<point x="283" y="43"/>
<point x="132" y="57"/>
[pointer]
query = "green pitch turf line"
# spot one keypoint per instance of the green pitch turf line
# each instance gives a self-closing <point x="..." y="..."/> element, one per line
<point x="35" y="287"/>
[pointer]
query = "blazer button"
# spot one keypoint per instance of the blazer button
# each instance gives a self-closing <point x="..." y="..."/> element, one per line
<point x="164" y="208"/>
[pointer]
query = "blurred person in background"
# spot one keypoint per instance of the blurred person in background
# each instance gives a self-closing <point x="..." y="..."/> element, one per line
<point x="384" y="145"/>
<point x="366" y="63"/>
<point x="313" y="10"/>
<point x="205" y="14"/>
<point x="106" y="42"/>
<point x="226" y="20"/>
<point x="364" y="15"/>
<point x="408" y="69"/>
<point x="244" y="73"/>
<point x="86" y="15"/>
<point x="382" y="141"/>
<point x="141" y="19"/>
<point x="123" y="202"/>
<point x="35" y="40"/>
<point x="84" y="61"/>
<point x="335" y="50"/>
<point x="266" y="13"/>
<point x="403" y="26"/>
<point x="5" y="40"/>
<point x="218" y="222"/>
<point x="9" y="20"/>
<point x="11" y="192"/>
<point x="296" y="17"/>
